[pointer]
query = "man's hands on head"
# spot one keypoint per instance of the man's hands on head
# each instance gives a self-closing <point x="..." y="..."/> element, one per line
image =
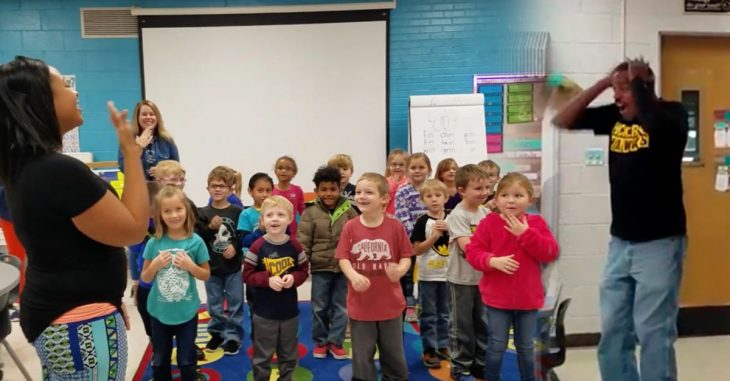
<point x="639" y="68"/>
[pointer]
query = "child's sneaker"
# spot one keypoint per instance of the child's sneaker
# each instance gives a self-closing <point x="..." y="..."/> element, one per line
<point x="319" y="351"/>
<point x="200" y="353"/>
<point x="411" y="315"/>
<point x="14" y="315"/>
<point x="477" y="371"/>
<point x="231" y="347"/>
<point x="463" y="377"/>
<point x="199" y="376"/>
<point x="338" y="352"/>
<point x="431" y="361"/>
<point x="215" y="341"/>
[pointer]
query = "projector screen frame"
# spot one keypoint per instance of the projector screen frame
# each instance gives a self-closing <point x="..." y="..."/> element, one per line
<point x="262" y="19"/>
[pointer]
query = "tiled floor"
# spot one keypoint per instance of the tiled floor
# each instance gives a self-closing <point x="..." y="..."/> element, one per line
<point x="703" y="358"/>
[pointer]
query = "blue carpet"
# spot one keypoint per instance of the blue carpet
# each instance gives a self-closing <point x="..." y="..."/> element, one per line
<point x="218" y="367"/>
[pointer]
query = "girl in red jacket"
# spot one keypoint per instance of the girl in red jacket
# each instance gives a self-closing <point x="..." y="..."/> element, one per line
<point x="510" y="247"/>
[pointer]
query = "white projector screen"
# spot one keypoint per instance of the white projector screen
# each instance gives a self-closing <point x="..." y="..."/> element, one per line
<point x="244" y="95"/>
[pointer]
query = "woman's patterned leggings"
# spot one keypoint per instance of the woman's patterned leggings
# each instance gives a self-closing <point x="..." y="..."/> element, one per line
<point x="88" y="350"/>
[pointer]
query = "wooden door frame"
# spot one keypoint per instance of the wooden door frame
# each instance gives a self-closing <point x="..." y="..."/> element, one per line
<point x="669" y="33"/>
<point x="695" y="320"/>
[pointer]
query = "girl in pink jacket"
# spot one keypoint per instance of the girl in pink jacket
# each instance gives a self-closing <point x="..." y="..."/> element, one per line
<point x="510" y="247"/>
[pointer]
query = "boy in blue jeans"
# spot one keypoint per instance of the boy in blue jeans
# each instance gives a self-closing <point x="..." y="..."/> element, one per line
<point x="224" y="248"/>
<point x="430" y="240"/>
<point x="319" y="233"/>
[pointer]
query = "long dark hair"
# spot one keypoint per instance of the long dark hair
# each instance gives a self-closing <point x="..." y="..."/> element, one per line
<point x="28" y="123"/>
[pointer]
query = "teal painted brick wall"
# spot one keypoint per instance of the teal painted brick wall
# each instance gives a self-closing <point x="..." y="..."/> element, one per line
<point x="436" y="46"/>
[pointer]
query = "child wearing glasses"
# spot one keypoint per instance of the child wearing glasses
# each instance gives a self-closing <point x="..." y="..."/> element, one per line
<point x="285" y="169"/>
<point x="226" y="258"/>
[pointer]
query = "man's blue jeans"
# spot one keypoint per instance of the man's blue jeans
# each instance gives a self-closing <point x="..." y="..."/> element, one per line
<point x="640" y="300"/>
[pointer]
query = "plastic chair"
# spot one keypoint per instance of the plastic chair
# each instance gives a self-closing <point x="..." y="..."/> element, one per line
<point x="5" y="327"/>
<point x="554" y="354"/>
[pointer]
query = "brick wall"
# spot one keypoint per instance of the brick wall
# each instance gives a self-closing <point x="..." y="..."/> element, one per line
<point x="436" y="47"/>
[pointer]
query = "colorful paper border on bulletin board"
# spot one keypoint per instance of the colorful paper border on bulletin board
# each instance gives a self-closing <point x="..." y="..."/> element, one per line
<point x="115" y="177"/>
<point x="513" y="109"/>
<point x="721" y="132"/>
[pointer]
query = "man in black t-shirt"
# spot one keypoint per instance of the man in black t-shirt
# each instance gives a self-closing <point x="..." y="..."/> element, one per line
<point x="639" y="292"/>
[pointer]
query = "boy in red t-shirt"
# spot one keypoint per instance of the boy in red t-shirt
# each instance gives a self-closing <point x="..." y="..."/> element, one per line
<point x="374" y="253"/>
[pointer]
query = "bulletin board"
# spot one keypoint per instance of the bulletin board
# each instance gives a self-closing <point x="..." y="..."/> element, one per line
<point x="112" y="175"/>
<point x="514" y="107"/>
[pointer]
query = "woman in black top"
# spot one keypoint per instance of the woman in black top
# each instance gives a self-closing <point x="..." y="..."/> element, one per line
<point x="71" y="223"/>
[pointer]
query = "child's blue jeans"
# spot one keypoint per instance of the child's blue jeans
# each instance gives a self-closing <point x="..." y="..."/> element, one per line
<point x="229" y="288"/>
<point x="525" y="325"/>
<point x="434" y="317"/>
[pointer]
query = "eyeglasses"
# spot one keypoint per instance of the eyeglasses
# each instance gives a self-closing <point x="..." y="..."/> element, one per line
<point x="173" y="180"/>
<point x="218" y="186"/>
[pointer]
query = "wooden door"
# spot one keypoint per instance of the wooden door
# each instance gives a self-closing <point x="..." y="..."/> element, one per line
<point x="702" y="64"/>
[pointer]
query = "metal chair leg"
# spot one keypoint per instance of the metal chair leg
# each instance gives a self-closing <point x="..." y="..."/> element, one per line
<point x="17" y="361"/>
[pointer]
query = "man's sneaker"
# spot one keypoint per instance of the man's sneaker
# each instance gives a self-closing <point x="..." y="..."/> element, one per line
<point x="431" y="361"/>
<point x="215" y="341"/>
<point x="443" y="354"/>
<point x="411" y="315"/>
<point x="338" y="352"/>
<point x="319" y="351"/>
<point x="463" y="377"/>
<point x="231" y="347"/>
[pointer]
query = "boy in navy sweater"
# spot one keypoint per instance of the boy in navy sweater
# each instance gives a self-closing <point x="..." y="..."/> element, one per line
<point x="275" y="265"/>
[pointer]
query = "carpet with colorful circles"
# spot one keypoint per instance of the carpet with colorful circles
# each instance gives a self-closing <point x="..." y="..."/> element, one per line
<point x="217" y="367"/>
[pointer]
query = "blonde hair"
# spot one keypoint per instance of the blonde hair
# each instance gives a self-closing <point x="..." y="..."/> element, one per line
<point x="167" y="168"/>
<point x="391" y="156"/>
<point x="168" y="192"/>
<point x="433" y="186"/>
<point x="468" y="173"/>
<point x="379" y="180"/>
<point x="237" y="185"/>
<point x="515" y="178"/>
<point x="280" y="201"/>
<point x="445" y="165"/>
<point x="422" y="156"/>
<point x="288" y="158"/>
<point x="160" y="130"/>
<point x="341" y="161"/>
<point x="489" y="164"/>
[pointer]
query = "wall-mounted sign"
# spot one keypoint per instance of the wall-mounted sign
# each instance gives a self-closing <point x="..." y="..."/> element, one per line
<point x="710" y="6"/>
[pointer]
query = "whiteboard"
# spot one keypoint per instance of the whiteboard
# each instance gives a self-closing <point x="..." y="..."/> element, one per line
<point x="244" y="95"/>
<point x="448" y="126"/>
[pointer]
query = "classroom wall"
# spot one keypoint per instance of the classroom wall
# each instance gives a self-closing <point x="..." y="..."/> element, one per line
<point x="585" y="43"/>
<point x="435" y="47"/>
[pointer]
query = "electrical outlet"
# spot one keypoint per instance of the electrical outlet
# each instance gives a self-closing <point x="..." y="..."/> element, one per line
<point x="594" y="157"/>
